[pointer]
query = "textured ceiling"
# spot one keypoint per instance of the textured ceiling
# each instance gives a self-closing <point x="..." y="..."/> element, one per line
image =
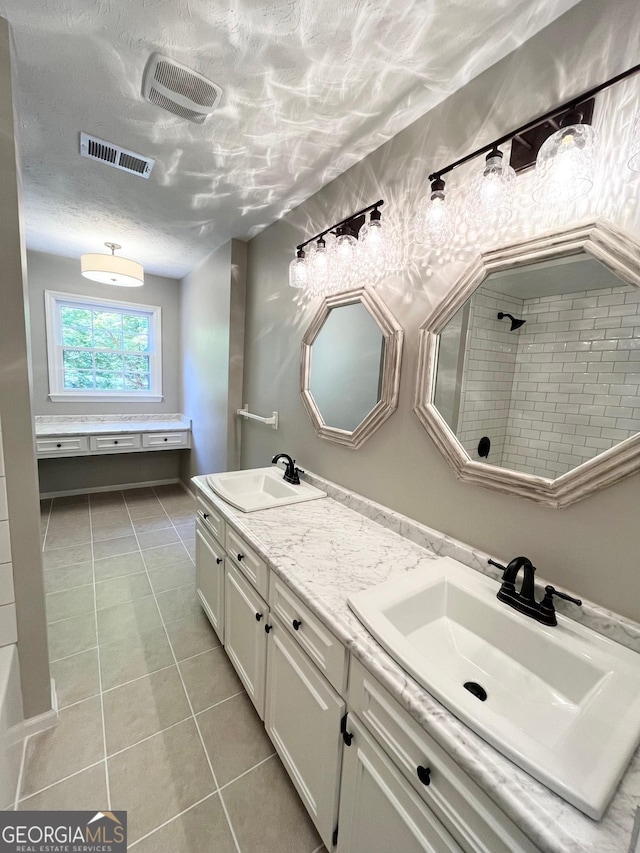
<point x="309" y="88"/>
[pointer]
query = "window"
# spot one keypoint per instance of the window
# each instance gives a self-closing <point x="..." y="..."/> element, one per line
<point x="102" y="350"/>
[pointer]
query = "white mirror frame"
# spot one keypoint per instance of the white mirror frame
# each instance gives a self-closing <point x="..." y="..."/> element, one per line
<point x="393" y="336"/>
<point x="615" y="250"/>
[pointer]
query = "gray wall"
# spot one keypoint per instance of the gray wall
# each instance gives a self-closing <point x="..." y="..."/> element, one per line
<point x="17" y="424"/>
<point x="212" y="317"/>
<point x="589" y="547"/>
<point x="52" y="272"/>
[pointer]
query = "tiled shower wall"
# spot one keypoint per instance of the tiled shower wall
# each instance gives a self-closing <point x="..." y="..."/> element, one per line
<point x="489" y="367"/>
<point x="8" y="632"/>
<point x="575" y="385"/>
<point x="560" y="389"/>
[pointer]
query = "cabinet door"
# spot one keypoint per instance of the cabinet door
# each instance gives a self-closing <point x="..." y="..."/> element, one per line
<point x="379" y="811"/>
<point x="302" y="718"/>
<point x="210" y="578"/>
<point x="245" y="615"/>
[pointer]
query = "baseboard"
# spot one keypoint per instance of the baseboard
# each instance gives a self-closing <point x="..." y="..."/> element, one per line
<point x="35" y="725"/>
<point x="187" y="489"/>
<point x="118" y="488"/>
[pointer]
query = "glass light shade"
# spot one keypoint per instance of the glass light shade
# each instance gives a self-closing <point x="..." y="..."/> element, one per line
<point x="565" y="164"/>
<point x="490" y="200"/>
<point x="434" y="226"/>
<point x="299" y="273"/>
<point x="374" y="249"/>
<point x="634" y="150"/>
<point x="111" y="269"/>
<point x="345" y="262"/>
<point x="319" y="271"/>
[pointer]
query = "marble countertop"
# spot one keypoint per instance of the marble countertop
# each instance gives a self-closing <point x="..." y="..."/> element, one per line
<point x="59" y="425"/>
<point x="326" y="550"/>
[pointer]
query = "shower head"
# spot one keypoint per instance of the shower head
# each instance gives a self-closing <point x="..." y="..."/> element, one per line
<point x="515" y="324"/>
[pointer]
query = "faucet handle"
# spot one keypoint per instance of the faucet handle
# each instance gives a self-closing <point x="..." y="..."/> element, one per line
<point x="497" y="565"/>
<point x="546" y="605"/>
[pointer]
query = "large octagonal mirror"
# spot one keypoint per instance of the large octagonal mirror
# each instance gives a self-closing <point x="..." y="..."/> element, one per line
<point x="530" y="368"/>
<point x="351" y="366"/>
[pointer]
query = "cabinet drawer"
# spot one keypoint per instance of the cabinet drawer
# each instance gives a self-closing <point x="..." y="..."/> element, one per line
<point x="211" y="519"/>
<point x="246" y="559"/>
<point x="473" y="819"/>
<point x="58" y="446"/>
<point x="327" y="653"/>
<point x="115" y="443"/>
<point x="165" y="439"/>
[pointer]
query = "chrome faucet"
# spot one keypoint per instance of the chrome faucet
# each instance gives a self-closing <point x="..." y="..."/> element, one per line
<point x="524" y="601"/>
<point x="291" y="472"/>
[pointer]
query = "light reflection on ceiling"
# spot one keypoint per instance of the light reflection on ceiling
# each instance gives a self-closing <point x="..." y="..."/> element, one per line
<point x="309" y="89"/>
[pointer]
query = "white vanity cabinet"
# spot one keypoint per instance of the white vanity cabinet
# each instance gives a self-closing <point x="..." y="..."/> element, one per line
<point x="423" y="773"/>
<point x="302" y="718"/>
<point x="245" y="617"/>
<point x="210" y="565"/>
<point x="379" y="810"/>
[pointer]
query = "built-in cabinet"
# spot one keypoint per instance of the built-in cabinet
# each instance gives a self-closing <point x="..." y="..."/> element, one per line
<point x="303" y="714"/>
<point x="245" y="617"/>
<point x="370" y="777"/>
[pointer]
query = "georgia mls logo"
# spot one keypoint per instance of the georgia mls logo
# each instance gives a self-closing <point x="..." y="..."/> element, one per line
<point x="63" y="832"/>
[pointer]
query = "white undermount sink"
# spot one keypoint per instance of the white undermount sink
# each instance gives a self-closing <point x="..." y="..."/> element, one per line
<point x="562" y="702"/>
<point x="260" y="488"/>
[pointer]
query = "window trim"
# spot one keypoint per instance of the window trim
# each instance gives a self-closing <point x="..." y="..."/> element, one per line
<point x="57" y="394"/>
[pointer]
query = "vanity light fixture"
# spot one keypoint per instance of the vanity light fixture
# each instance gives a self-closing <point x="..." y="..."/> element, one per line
<point x="109" y="269"/>
<point x="434" y="225"/>
<point x="356" y="249"/>
<point x="564" y="165"/>
<point x="566" y="161"/>
<point x="490" y="202"/>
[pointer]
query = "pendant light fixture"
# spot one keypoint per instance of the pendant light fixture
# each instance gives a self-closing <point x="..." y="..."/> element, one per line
<point x="434" y="225"/>
<point x="108" y="269"/>
<point x="566" y="162"/>
<point x="490" y="201"/>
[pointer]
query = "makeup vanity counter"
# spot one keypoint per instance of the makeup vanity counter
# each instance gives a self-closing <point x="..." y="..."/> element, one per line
<point x="85" y="435"/>
<point x="326" y="550"/>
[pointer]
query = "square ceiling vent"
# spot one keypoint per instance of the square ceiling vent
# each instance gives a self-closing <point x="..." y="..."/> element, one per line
<point x="114" y="155"/>
<point x="179" y="90"/>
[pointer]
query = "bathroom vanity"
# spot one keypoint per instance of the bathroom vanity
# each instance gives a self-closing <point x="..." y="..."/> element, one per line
<point x="377" y="761"/>
<point x="88" y="435"/>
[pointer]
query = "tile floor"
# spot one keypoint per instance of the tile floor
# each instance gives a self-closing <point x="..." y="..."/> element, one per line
<point x="153" y="718"/>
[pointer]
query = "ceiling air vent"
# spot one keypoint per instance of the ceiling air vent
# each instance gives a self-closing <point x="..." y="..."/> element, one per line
<point x="179" y="90"/>
<point x="114" y="155"/>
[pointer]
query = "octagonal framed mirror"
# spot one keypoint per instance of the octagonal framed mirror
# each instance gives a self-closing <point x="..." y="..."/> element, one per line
<point x="529" y="369"/>
<point x="350" y="366"/>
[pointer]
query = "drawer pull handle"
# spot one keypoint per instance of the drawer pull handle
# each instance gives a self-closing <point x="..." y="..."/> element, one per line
<point x="240" y="557"/>
<point x="115" y="442"/>
<point x="259" y="616"/>
<point x="424" y="774"/>
<point x="166" y="439"/>
<point x="58" y="445"/>
<point x="205" y="515"/>
<point x="296" y="624"/>
<point x="267" y="628"/>
<point x="218" y="560"/>
<point x="347" y="737"/>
